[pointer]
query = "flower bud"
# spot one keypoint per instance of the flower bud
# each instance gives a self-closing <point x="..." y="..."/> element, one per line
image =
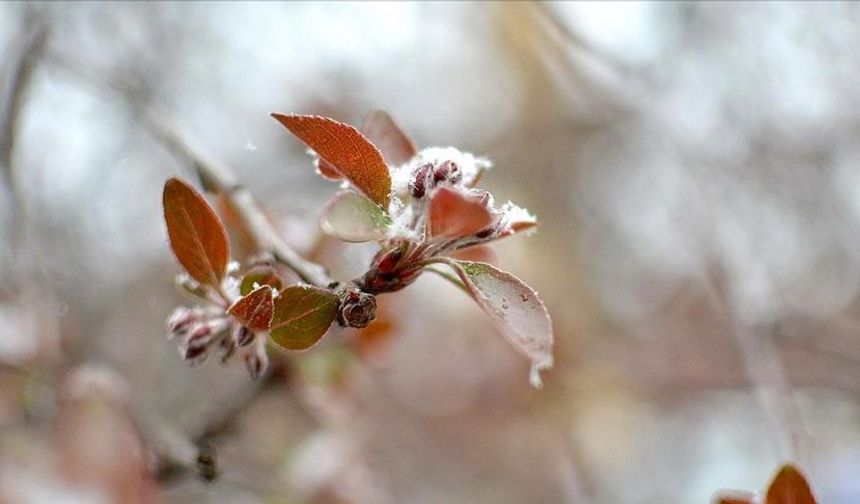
<point x="181" y="321"/>
<point x="448" y="171"/>
<point x="257" y="361"/>
<point x="356" y="309"/>
<point x="228" y="348"/>
<point x="420" y="178"/>
<point x="243" y="336"/>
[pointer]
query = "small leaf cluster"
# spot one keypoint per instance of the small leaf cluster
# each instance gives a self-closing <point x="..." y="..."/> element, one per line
<point x="421" y="207"/>
<point x="236" y="314"/>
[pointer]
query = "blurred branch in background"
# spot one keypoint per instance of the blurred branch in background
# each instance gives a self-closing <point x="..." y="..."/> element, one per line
<point x="14" y="100"/>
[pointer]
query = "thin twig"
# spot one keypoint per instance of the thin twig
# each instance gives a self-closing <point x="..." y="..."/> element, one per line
<point x="173" y="458"/>
<point x="761" y="360"/>
<point x="215" y="176"/>
<point x="14" y="99"/>
<point x="13" y="103"/>
<point x="219" y="179"/>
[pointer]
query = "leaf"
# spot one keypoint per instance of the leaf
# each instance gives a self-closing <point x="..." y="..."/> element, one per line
<point x="197" y="236"/>
<point x="260" y="275"/>
<point x="352" y="217"/>
<point x="347" y="150"/>
<point x="477" y="253"/>
<point x="395" y="145"/>
<point x="515" y="309"/>
<point x="303" y="314"/>
<point x="735" y="497"/>
<point x="254" y="310"/>
<point x="327" y="170"/>
<point x="455" y="213"/>
<point x="789" y="487"/>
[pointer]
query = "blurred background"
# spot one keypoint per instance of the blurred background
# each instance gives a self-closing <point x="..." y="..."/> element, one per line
<point x="696" y="174"/>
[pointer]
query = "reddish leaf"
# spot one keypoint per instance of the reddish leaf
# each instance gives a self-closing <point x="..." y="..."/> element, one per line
<point x="303" y="314"/>
<point x="789" y="487"/>
<point x="348" y="151"/>
<point x="354" y="218"/>
<point x="260" y="275"/>
<point x="395" y="145"/>
<point x="197" y="236"/>
<point x="255" y="310"/>
<point x="455" y="213"/>
<point x="514" y="308"/>
<point x="327" y="170"/>
<point x="478" y="253"/>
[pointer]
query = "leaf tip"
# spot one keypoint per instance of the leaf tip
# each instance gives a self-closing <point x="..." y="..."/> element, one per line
<point x="534" y="372"/>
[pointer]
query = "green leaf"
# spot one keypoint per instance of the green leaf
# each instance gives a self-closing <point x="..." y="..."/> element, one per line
<point x="514" y="308"/>
<point x="254" y="310"/>
<point x="346" y="150"/>
<point x="197" y="236"/>
<point x="257" y="276"/>
<point x="303" y="314"/>
<point x="789" y="487"/>
<point x="352" y="217"/>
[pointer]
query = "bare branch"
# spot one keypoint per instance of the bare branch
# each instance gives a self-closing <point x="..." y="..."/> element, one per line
<point x="14" y="99"/>
<point x="215" y="176"/>
<point x="219" y="179"/>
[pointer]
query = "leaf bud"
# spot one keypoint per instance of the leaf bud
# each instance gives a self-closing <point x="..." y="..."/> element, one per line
<point x="356" y="308"/>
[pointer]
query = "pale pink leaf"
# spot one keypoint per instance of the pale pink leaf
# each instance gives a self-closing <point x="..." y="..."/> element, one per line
<point x="455" y="213"/>
<point x="514" y="308"/>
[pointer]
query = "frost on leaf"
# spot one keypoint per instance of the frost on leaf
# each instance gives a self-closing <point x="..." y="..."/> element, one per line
<point x="352" y="217"/>
<point x="254" y="310"/>
<point x="197" y="236"/>
<point x="346" y="151"/>
<point x="303" y="314"/>
<point x="515" y="309"/>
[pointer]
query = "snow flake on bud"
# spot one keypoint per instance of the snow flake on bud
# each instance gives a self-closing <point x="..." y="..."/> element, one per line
<point x="447" y="165"/>
<point x="356" y="308"/>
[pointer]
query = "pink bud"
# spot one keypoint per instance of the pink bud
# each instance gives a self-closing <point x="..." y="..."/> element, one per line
<point x="448" y="171"/>
<point x="244" y="336"/>
<point x="199" y="336"/>
<point x="420" y="179"/>
<point x="257" y="362"/>
<point x="228" y="348"/>
<point x="180" y="322"/>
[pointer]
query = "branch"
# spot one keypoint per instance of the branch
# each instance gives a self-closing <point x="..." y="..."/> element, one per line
<point x="174" y="452"/>
<point x="215" y="176"/>
<point x="21" y="76"/>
